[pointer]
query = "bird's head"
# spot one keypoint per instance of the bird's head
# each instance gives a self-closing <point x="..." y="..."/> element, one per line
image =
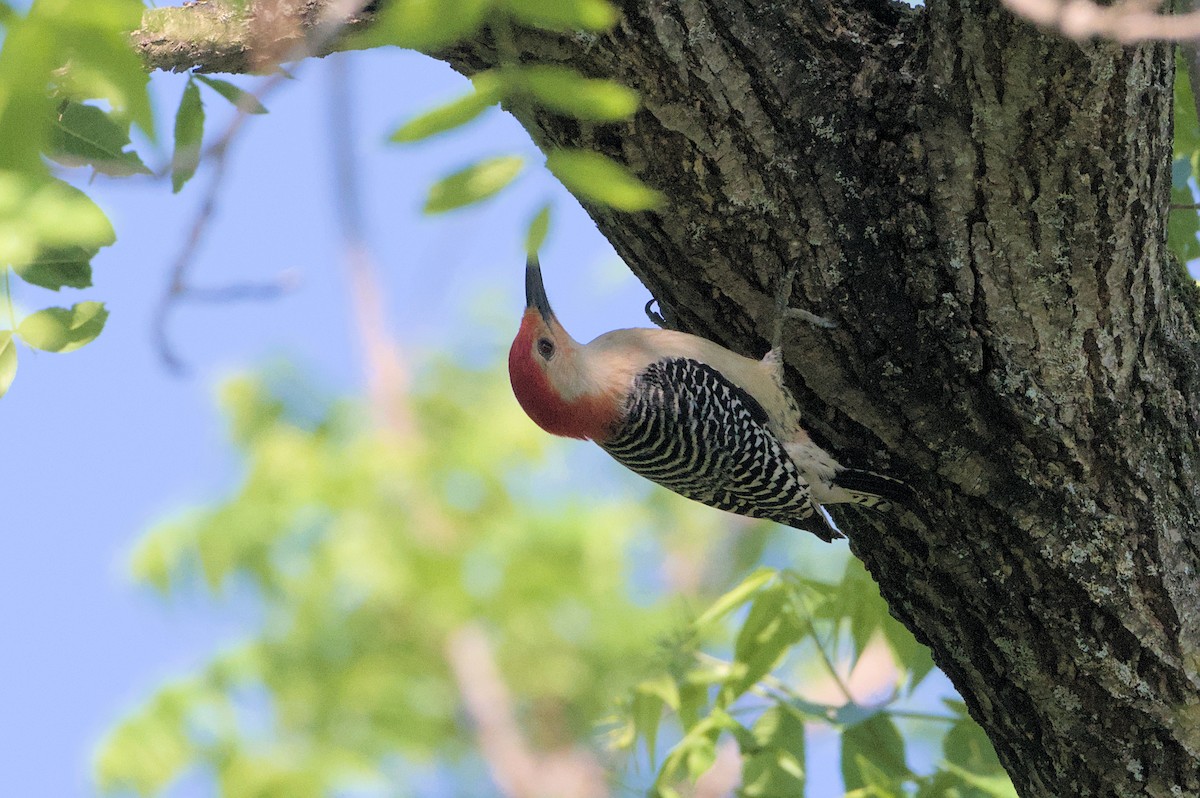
<point x="550" y="371"/>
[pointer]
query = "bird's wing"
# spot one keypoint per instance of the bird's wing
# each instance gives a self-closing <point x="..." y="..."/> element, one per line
<point x="688" y="428"/>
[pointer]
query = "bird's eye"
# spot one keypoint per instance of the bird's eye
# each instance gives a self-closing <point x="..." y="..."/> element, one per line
<point x="545" y="348"/>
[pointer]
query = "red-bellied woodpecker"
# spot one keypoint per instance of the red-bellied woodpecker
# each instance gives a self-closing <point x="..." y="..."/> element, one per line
<point x="693" y="416"/>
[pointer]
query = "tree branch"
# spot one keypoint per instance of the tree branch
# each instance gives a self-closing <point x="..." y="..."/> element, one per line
<point x="218" y="36"/>
<point x="518" y="770"/>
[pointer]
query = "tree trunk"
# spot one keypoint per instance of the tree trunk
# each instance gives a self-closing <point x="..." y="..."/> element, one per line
<point x="982" y="210"/>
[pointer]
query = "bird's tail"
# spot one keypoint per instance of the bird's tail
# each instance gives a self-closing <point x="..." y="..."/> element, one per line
<point x="871" y="490"/>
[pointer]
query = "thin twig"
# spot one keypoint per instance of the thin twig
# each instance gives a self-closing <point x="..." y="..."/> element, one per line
<point x="843" y="688"/>
<point x="386" y="378"/>
<point x="179" y="287"/>
<point x="240" y="292"/>
<point x="489" y="706"/>
<point x="519" y="771"/>
<point x="825" y="658"/>
<point x="933" y="717"/>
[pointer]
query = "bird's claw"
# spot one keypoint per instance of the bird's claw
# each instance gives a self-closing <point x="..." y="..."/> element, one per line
<point x="783" y="311"/>
<point x="664" y="319"/>
<point x="811" y="318"/>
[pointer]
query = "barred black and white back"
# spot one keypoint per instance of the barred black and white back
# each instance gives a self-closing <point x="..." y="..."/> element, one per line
<point x="692" y="431"/>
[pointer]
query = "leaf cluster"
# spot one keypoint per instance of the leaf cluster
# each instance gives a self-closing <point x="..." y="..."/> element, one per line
<point x="70" y="88"/>
<point x="554" y="89"/>
<point x="755" y="696"/>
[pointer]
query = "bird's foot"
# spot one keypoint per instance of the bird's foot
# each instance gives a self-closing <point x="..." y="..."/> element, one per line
<point x="664" y="317"/>
<point x="784" y="311"/>
<point x="811" y="318"/>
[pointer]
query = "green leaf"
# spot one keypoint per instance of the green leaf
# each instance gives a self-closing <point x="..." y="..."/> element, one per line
<point x="37" y="215"/>
<point x="94" y="38"/>
<point x="1187" y="127"/>
<point x="64" y="216"/>
<point x="62" y="329"/>
<point x="1183" y="225"/>
<point x="957" y="706"/>
<point x="876" y="783"/>
<point x="875" y="741"/>
<point x="647" y="712"/>
<point x="156" y="557"/>
<point x="8" y="360"/>
<point x="666" y="688"/>
<point x="535" y="236"/>
<point x="475" y="183"/>
<point x="774" y="765"/>
<point x="693" y="700"/>
<point x="58" y="267"/>
<point x="999" y="786"/>
<point x="909" y="654"/>
<point x="941" y="784"/>
<point x="189" y="135"/>
<point x="700" y="757"/>
<point x="26" y="60"/>
<point x="967" y="746"/>
<point x="563" y="15"/>
<point x="241" y="98"/>
<point x="695" y="753"/>
<point x="771" y="628"/>
<point x="425" y="25"/>
<point x="600" y="179"/>
<point x="737" y="596"/>
<point x="83" y="135"/>
<point x="855" y="599"/>
<point x="251" y="410"/>
<point x="487" y="92"/>
<point x="148" y="750"/>
<point x="566" y="91"/>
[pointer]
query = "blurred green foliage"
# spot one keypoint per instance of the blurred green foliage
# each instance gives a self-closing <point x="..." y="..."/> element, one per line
<point x="1184" y="224"/>
<point x="365" y="554"/>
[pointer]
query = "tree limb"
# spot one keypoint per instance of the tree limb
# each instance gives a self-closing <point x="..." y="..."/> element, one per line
<point x="217" y="36"/>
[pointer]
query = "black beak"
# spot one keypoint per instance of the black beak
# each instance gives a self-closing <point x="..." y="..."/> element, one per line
<point x="535" y="291"/>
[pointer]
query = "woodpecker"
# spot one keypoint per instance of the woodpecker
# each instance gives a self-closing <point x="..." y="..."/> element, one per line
<point x="688" y="414"/>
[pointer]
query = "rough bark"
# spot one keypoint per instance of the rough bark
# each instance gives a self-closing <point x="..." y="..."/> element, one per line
<point x="982" y="209"/>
